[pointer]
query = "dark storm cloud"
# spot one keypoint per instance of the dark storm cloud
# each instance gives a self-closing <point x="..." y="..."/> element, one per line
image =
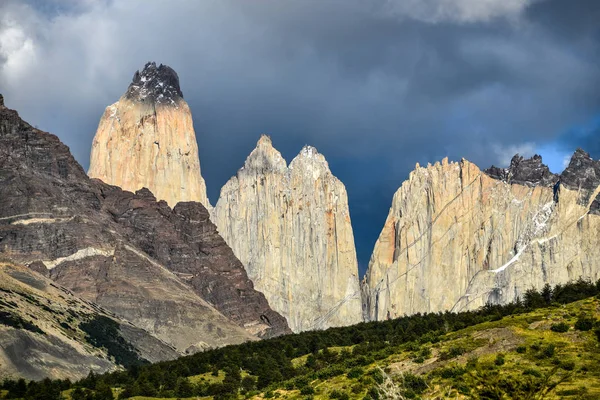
<point x="375" y="86"/>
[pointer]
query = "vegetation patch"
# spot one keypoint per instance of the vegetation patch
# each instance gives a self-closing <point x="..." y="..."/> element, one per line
<point x="10" y="319"/>
<point x="102" y="331"/>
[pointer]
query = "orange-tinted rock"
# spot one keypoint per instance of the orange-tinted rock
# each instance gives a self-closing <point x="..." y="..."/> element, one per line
<point x="147" y="139"/>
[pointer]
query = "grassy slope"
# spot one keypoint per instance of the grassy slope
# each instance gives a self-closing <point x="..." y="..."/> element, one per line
<point x="523" y="341"/>
<point x="472" y="358"/>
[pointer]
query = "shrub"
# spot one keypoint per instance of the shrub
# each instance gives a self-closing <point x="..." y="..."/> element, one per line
<point x="560" y="327"/>
<point x="373" y="393"/>
<point x="549" y="351"/>
<point x="355" y="372"/>
<point x="451" y="372"/>
<point x="454" y="351"/>
<point x="338" y="394"/>
<point x="425" y="353"/>
<point x="414" y="382"/>
<point x="584" y="324"/>
<point x="356" y="389"/>
<point x="377" y="375"/>
<point x="532" y="372"/>
<point x="567" y="365"/>
<point x="306" y="390"/>
<point x="522" y="349"/>
<point x="499" y="359"/>
<point x="472" y="362"/>
<point x="412" y="346"/>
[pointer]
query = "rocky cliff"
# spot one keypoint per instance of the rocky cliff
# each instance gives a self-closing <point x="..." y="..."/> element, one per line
<point x="290" y="227"/>
<point x="165" y="270"/>
<point x="147" y="139"/>
<point x="457" y="238"/>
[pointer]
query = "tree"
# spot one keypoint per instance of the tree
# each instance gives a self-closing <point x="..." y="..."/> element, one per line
<point x="547" y="294"/>
<point x="533" y="299"/>
<point x="183" y="388"/>
<point x="103" y="392"/>
<point x="248" y="384"/>
<point x="80" y="394"/>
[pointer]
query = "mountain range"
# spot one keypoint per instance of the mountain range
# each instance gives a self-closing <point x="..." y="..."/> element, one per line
<point x="134" y="247"/>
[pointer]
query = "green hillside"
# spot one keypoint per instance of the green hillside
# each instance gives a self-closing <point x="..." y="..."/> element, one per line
<point x="546" y="347"/>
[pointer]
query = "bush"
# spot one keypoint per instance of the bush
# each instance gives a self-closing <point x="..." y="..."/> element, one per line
<point x="425" y="353"/>
<point x="377" y="375"/>
<point x="451" y="372"/>
<point x="561" y="327"/>
<point x="454" y="351"/>
<point x="549" y="351"/>
<point x="373" y="393"/>
<point x="532" y="372"/>
<point x="355" y="372"/>
<point x="567" y="365"/>
<point x="522" y="349"/>
<point x="499" y="359"/>
<point x="306" y="390"/>
<point x="584" y="324"/>
<point x="414" y="382"/>
<point x="338" y="394"/>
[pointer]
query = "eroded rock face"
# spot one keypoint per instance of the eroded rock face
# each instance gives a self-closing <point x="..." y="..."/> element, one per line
<point x="147" y="139"/>
<point x="290" y="227"/>
<point x="165" y="270"/>
<point x="457" y="238"/>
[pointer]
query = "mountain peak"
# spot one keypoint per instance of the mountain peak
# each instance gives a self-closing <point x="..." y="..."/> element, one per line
<point x="524" y="171"/>
<point x="309" y="157"/>
<point x="582" y="172"/>
<point x="155" y="84"/>
<point x="1" y="100"/>
<point x="265" y="140"/>
<point x="264" y="157"/>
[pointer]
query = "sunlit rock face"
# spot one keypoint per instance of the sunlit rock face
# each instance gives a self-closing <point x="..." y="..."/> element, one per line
<point x="165" y="270"/>
<point x="457" y="237"/>
<point x="290" y="227"/>
<point x="147" y="139"/>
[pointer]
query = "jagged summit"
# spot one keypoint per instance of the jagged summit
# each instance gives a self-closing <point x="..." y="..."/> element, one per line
<point x="524" y="171"/>
<point x="309" y="155"/>
<point x="1" y="100"/>
<point x="264" y="158"/>
<point x="155" y="84"/>
<point x="582" y="172"/>
<point x="265" y="140"/>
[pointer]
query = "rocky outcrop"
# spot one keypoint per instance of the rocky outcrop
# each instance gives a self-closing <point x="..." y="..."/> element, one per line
<point x="528" y="172"/>
<point x="147" y="139"/>
<point x="456" y="238"/>
<point x="41" y="334"/>
<point x="290" y="227"/>
<point x="165" y="270"/>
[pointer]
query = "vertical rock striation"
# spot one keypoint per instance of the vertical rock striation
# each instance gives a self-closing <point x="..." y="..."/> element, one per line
<point x="457" y="238"/>
<point x="290" y="227"/>
<point x="147" y="139"/>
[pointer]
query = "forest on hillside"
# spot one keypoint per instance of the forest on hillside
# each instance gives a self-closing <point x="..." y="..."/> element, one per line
<point x="292" y="362"/>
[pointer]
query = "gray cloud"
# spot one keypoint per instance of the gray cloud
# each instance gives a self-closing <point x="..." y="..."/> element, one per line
<point x="376" y="86"/>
